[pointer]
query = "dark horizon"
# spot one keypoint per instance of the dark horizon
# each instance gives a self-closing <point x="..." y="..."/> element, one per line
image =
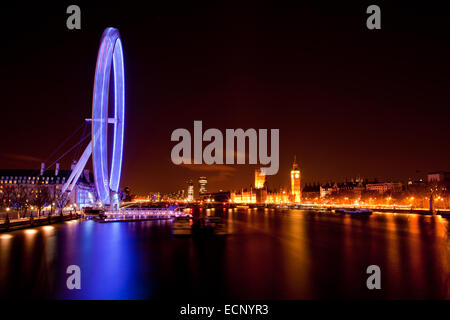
<point x="348" y="101"/>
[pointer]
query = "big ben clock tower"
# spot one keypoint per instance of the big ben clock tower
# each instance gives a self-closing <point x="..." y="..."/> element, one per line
<point x="295" y="182"/>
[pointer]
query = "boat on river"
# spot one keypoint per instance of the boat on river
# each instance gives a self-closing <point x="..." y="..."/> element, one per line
<point x="362" y="211"/>
<point x="181" y="226"/>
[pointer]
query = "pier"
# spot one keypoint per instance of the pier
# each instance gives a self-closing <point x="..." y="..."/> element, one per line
<point x="139" y="214"/>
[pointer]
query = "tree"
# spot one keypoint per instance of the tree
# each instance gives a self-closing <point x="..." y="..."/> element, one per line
<point x="54" y="198"/>
<point x="22" y="197"/>
<point x="40" y="197"/>
<point x="60" y="199"/>
<point x="7" y="197"/>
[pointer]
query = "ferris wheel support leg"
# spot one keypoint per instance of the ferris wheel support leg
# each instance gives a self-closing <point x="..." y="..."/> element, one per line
<point x="115" y="201"/>
<point x="76" y="172"/>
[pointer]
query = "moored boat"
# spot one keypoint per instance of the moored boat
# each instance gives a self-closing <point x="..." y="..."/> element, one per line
<point x="217" y="225"/>
<point x="444" y="214"/>
<point x="181" y="226"/>
<point x="362" y="211"/>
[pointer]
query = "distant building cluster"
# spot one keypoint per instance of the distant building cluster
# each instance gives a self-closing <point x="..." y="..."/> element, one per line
<point x="262" y="194"/>
<point x="355" y="188"/>
<point x="179" y="195"/>
<point x="416" y="192"/>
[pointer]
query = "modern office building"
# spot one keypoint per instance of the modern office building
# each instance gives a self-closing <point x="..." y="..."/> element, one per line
<point x="202" y="182"/>
<point x="190" y="191"/>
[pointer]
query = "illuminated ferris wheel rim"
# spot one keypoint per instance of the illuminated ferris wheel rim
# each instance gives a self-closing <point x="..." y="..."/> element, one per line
<point x="110" y="54"/>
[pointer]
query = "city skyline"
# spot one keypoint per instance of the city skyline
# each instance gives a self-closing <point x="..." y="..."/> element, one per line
<point x="380" y="116"/>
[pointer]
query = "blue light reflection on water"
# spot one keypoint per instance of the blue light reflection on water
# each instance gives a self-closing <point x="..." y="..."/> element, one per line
<point x="108" y="258"/>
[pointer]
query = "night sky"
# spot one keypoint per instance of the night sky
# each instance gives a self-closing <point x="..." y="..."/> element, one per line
<point x="348" y="101"/>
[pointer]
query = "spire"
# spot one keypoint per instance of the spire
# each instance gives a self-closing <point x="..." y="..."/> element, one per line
<point x="295" y="165"/>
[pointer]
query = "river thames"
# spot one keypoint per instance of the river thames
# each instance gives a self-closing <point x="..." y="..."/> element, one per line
<point x="269" y="254"/>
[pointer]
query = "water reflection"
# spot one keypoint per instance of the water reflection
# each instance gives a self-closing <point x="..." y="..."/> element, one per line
<point x="5" y="255"/>
<point x="268" y="255"/>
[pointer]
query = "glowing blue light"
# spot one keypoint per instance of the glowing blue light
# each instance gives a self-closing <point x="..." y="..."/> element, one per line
<point x="110" y="53"/>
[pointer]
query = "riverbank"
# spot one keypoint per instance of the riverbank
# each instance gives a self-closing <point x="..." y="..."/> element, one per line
<point x="373" y="208"/>
<point x="31" y="222"/>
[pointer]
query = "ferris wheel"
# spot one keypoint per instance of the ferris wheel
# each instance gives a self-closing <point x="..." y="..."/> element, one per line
<point x="106" y="177"/>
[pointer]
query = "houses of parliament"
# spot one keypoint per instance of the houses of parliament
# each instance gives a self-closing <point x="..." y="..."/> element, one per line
<point x="260" y="193"/>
